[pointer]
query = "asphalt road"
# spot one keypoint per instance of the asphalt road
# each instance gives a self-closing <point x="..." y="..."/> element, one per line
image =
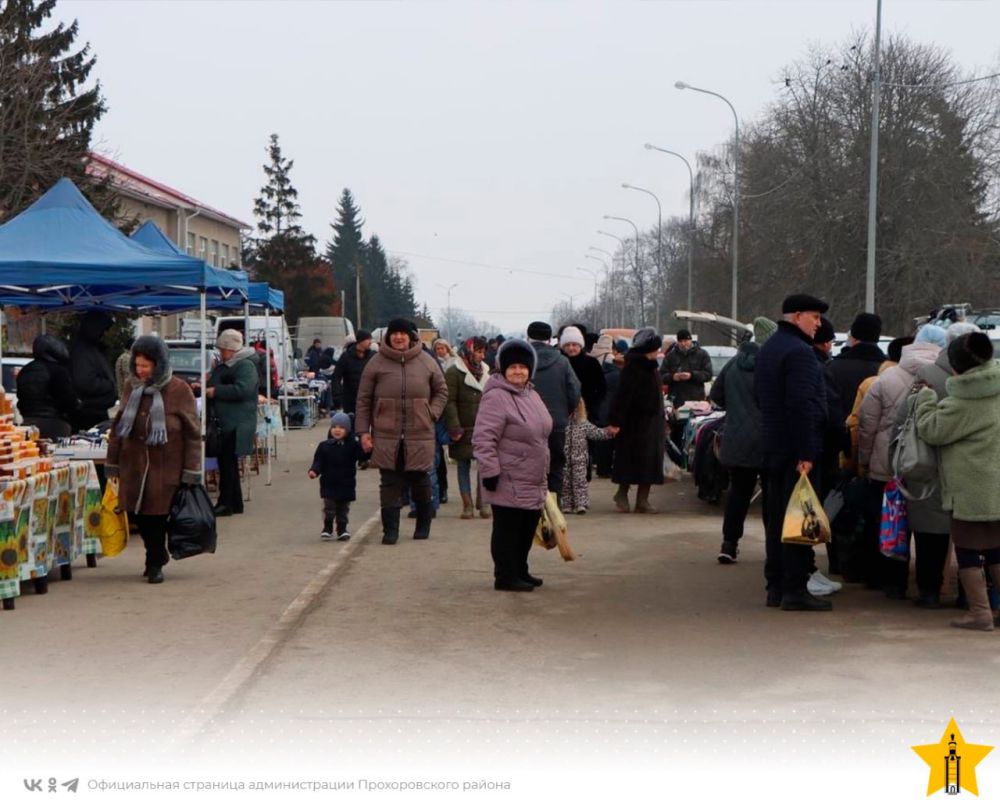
<point x="282" y="655"/>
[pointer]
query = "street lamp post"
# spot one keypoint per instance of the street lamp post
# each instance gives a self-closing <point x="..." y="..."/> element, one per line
<point x="621" y="241"/>
<point x="873" y="167"/>
<point x="736" y="187"/>
<point x="448" y="290"/>
<point x="690" y="302"/>
<point x="606" y="307"/>
<point x="638" y="272"/>
<point x="593" y="274"/>
<point x="659" y="242"/>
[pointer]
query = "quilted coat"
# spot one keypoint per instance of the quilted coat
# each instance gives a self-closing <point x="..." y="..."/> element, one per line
<point x="464" y="396"/>
<point x="402" y="394"/>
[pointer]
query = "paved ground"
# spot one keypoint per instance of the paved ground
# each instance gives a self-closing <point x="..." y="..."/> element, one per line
<point x="642" y="652"/>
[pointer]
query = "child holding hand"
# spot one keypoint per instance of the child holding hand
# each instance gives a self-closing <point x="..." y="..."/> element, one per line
<point x="335" y="464"/>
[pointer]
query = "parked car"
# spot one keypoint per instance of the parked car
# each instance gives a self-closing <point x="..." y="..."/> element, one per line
<point x="184" y="359"/>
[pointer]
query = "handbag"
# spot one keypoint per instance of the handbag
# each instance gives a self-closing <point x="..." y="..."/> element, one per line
<point x="191" y="523"/>
<point x="213" y="433"/>
<point x="805" y="521"/>
<point x="894" y="534"/>
<point x="551" y="530"/>
<point x="113" y="526"/>
<point x="914" y="462"/>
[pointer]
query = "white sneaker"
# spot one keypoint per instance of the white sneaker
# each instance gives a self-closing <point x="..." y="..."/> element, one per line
<point x="326" y="536"/>
<point x="343" y="537"/>
<point x="818" y="589"/>
<point x="822" y="580"/>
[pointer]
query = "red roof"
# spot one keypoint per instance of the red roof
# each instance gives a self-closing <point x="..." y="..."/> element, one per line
<point x="137" y="184"/>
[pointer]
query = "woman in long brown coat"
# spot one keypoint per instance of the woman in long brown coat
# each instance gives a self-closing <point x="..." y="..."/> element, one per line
<point x="402" y="395"/>
<point x="155" y="446"/>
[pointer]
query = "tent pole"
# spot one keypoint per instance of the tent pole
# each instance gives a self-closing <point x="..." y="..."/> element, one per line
<point x="203" y="382"/>
<point x="283" y="389"/>
<point x="267" y="415"/>
<point x="246" y="343"/>
<point x="3" y="320"/>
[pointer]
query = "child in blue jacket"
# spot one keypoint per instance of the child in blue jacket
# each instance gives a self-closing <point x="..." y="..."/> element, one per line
<point x="335" y="464"/>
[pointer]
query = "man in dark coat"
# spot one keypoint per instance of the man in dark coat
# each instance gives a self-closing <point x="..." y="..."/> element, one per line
<point x="859" y="360"/>
<point x="313" y="354"/>
<point x="45" y="394"/>
<point x="349" y="367"/>
<point x="792" y="400"/>
<point x="559" y="388"/>
<point x="687" y="368"/>
<point x="93" y="377"/>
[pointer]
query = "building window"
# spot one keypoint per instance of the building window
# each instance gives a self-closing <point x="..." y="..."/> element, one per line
<point x="215" y="253"/>
<point x="225" y="256"/>
<point x="203" y="248"/>
<point x="190" y="244"/>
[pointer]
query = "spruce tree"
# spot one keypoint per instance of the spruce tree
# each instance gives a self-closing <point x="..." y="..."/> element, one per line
<point x="47" y="112"/>
<point x="284" y="255"/>
<point x="346" y="254"/>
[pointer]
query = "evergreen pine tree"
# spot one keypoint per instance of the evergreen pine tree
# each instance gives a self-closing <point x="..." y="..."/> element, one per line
<point x="346" y="254"/>
<point x="47" y="117"/>
<point x="284" y="255"/>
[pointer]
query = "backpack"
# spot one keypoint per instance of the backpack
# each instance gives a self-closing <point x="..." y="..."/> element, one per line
<point x="914" y="462"/>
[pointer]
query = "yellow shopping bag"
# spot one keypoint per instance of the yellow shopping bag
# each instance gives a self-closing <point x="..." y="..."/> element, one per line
<point x="113" y="529"/>
<point x="805" y="520"/>
<point x="552" y="529"/>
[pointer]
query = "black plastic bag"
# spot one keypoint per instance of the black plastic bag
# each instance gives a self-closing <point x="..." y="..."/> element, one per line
<point x="191" y="523"/>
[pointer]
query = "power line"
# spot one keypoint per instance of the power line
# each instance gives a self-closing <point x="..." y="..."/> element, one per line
<point x="942" y="85"/>
<point x="480" y="265"/>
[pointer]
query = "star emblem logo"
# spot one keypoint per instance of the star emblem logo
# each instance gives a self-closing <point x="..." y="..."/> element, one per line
<point x="953" y="762"/>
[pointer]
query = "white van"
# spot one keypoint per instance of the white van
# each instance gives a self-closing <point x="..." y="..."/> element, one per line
<point x="331" y="331"/>
<point x="277" y="338"/>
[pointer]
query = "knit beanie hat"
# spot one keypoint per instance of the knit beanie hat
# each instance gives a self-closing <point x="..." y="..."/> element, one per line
<point x="895" y="348"/>
<point x="621" y="346"/>
<point x="970" y="350"/>
<point x="825" y="333"/>
<point x="763" y="329"/>
<point x="362" y="336"/>
<point x="400" y="325"/>
<point x="602" y="347"/>
<point x="516" y="351"/>
<point x="683" y="335"/>
<point x="342" y="420"/>
<point x="866" y="327"/>
<point x="571" y="335"/>
<point x="646" y="340"/>
<point x="229" y="339"/>
<point x="932" y="334"/>
<point x="539" y="332"/>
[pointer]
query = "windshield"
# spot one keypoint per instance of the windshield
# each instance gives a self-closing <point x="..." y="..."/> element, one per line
<point x="185" y="359"/>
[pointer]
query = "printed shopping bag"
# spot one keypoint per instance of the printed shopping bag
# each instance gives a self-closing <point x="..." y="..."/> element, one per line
<point x="113" y="527"/>
<point x="894" y="534"/>
<point x="805" y="521"/>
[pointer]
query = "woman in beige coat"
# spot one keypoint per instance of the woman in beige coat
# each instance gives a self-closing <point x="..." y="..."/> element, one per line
<point x="402" y="395"/>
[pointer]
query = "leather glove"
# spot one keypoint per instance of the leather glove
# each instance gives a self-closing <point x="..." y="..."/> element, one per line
<point x="491" y="483"/>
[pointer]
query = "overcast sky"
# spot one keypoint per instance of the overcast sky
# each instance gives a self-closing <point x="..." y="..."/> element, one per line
<point x="496" y="133"/>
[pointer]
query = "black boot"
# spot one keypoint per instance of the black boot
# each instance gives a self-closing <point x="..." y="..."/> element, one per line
<point x="425" y="513"/>
<point x="390" y="525"/>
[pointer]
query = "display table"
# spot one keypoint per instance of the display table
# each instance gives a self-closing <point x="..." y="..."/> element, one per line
<point x="301" y="411"/>
<point x="47" y="520"/>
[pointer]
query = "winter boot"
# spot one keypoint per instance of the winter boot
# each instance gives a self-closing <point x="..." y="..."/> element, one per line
<point x="425" y="513"/>
<point x="621" y="498"/>
<point x="483" y="508"/>
<point x="390" y="525"/>
<point x="979" y="618"/>
<point x="642" y="505"/>
<point x="468" y="512"/>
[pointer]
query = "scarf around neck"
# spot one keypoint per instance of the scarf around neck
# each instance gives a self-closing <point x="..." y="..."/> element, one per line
<point x="157" y="414"/>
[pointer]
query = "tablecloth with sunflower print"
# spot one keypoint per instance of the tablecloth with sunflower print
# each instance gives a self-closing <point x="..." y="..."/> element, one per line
<point x="45" y="521"/>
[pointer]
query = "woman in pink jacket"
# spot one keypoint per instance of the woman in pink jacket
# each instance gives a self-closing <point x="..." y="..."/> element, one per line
<point x="511" y="444"/>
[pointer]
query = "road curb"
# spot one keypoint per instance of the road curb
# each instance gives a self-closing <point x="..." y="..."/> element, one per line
<point x="244" y="671"/>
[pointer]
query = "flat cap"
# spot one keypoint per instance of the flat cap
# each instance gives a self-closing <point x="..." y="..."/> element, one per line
<point x="795" y="303"/>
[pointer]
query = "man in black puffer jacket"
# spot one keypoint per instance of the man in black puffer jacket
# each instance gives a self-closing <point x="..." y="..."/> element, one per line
<point x="792" y="399"/>
<point x="45" y="394"/>
<point x="350" y="365"/>
<point x="93" y="378"/>
<point x="861" y="359"/>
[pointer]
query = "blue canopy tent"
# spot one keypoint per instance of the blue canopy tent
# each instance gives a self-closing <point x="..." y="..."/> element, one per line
<point x="259" y="295"/>
<point x="59" y="254"/>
